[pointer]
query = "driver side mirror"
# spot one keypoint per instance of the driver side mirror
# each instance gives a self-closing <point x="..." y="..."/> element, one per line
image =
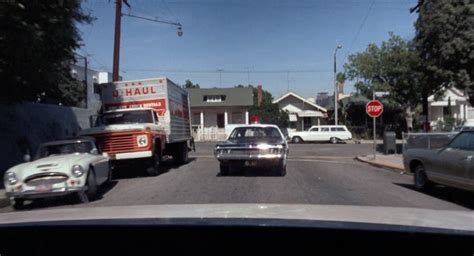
<point x="27" y="158"/>
<point x="104" y="154"/>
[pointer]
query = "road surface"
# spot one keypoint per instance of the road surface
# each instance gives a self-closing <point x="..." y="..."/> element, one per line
<point x="316" y="174"/>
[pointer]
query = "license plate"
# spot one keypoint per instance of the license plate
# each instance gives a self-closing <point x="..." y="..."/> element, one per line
<point x="250" y="163"/>
<point x="44" y="188"/>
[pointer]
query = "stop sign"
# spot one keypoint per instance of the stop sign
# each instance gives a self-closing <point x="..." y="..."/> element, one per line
<point x="374" y="108"/>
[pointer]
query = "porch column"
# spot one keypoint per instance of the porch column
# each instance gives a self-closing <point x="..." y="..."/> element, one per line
<point x="202" y="125"/>
<point x="302" y="124"/>
<point x="319" y="122"/>
<point x="246" y="117"/>
<point x="461" y="111"/>
<point x="225" y="118"/>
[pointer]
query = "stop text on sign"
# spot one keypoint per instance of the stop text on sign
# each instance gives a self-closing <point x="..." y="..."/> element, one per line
<point x="374" y="108"/>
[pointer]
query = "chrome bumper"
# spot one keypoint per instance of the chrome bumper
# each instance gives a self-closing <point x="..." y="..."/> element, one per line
<point x="249" y="157"/>
<point x="33" y="194"/>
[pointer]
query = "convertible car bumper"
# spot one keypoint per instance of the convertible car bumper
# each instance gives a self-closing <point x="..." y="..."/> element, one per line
<point x="33" y="194"/>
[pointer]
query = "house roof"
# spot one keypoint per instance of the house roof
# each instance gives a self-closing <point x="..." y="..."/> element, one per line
<point x="300" y="98"/>
<point x="233" y="96"/>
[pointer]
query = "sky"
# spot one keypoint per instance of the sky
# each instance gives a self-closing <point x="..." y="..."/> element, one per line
<point x="281" y="45"/>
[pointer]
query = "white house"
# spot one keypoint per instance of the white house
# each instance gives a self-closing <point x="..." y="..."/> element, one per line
<point x="303" y="113"/>
<point x="460" y="107"/>
<point x="216" y="111"/>
<point x="94" y="78"/>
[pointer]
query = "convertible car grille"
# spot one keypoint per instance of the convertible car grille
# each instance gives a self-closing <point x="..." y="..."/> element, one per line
<point x="116" y="143"/>
<point x="45" y="179"/>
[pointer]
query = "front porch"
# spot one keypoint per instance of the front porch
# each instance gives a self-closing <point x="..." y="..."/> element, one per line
<point x="211" y="124"/>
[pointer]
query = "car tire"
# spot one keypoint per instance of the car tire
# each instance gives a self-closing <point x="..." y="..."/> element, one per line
<point x="296" y="140"/>
<point x="224" y="169"/>
<point x="333" y="140"/>
<point x="281" y="168"/>
<point x="153" y="166"/>
<point x="420" y="179"/>
<point x="109" y="177"/>
<point x="18" y="203"/>
<point x="91" y="193"/>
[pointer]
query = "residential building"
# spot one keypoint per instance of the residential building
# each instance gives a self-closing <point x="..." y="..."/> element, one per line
<point x="457" y="100"/>
<point x="302" y="112"/>
<point x="216" y="111"/>
<point x="94" y="78"/>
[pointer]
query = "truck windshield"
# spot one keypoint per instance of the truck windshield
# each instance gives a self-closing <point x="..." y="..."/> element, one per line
<point x="127" y="117"/>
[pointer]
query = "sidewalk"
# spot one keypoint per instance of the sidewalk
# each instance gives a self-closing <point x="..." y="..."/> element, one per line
<point x="360" y="141"/>
<point x="394" y="162"/>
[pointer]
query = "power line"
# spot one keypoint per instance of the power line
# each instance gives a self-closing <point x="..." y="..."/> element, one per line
<point x="220" y="71"/>
<point x="360" y="28"/>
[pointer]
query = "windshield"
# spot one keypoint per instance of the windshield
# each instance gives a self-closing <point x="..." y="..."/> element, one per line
<point x="64" y="149"/>
<point x="127" y="117"/>
<point x="254" y="133"/>
<point x="302" y="102"/>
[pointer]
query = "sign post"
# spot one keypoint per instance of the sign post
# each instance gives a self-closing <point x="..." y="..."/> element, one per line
<point x="374" y="109"/>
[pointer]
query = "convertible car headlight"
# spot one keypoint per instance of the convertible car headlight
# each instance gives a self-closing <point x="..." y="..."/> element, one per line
<point x="10" y="178"/>
<point x="77" y="170"/>
<point x="142" y="140"/>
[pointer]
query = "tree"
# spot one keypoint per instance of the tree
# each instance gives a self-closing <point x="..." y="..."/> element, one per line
<point x="189" y="84"/>
<point x="268" y="112"/>
<point x="37" y="43"/>
<point x="445" y="44"/>
<point x="389" y="67"/>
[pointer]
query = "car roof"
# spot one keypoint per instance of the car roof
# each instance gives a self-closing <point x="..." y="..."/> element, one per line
<point x="71" y="140"/>
<point x="256" y="125"/>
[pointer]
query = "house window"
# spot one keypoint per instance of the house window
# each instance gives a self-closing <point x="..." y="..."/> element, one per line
<point x="237" y="118"/>
<point x="196" y="118"/>
<point x="214" y="98"/>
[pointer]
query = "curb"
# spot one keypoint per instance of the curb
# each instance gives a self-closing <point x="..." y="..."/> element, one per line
<point x="385" y="166"/>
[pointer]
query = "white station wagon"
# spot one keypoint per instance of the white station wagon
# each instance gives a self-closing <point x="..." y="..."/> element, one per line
<point x="322" y="133"/>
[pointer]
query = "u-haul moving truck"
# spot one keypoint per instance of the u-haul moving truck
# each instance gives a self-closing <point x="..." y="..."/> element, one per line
<point x="143" y="120"/>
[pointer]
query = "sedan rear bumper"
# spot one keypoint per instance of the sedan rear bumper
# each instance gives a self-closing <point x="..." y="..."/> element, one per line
<point x="249" y="157"/>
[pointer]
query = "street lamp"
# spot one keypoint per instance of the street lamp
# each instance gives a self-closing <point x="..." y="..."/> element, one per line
<point x="336" y="91"/>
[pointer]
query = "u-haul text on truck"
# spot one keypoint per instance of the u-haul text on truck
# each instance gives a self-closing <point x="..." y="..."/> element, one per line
<point x="143" y="121"/>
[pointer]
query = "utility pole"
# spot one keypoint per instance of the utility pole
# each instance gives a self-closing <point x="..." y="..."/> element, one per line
<point x="336" y="91"/>
<point x="220" y="77"/>
<point x="118" y="23"/>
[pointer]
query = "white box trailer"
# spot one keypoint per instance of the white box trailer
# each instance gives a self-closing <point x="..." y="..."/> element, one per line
<point x="143" y="119"/>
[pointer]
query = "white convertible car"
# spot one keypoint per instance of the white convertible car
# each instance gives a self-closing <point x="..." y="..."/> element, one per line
<point x="59" y="168"/>
<point x="322" y="133"/>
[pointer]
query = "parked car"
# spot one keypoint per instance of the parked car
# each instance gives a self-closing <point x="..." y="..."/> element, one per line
<point x="59" y="168"/>
<point x="253" y="145"/>
<point x="451" y="165"/>
<point x="322" y="133"/>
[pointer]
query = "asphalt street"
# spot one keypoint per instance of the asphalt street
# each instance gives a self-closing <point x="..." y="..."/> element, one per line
<point x="316" y="174"/>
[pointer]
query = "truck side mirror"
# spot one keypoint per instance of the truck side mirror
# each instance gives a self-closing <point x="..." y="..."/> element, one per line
<point x="27" y="158"/>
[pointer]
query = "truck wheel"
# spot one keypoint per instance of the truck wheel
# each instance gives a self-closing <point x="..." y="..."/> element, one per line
<point x="153" y="165"/>
<point x="297" y="140"/>
<point x="224" y="169"/>
<point x="421" y="181"/>
<point x="181" y="154"/>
